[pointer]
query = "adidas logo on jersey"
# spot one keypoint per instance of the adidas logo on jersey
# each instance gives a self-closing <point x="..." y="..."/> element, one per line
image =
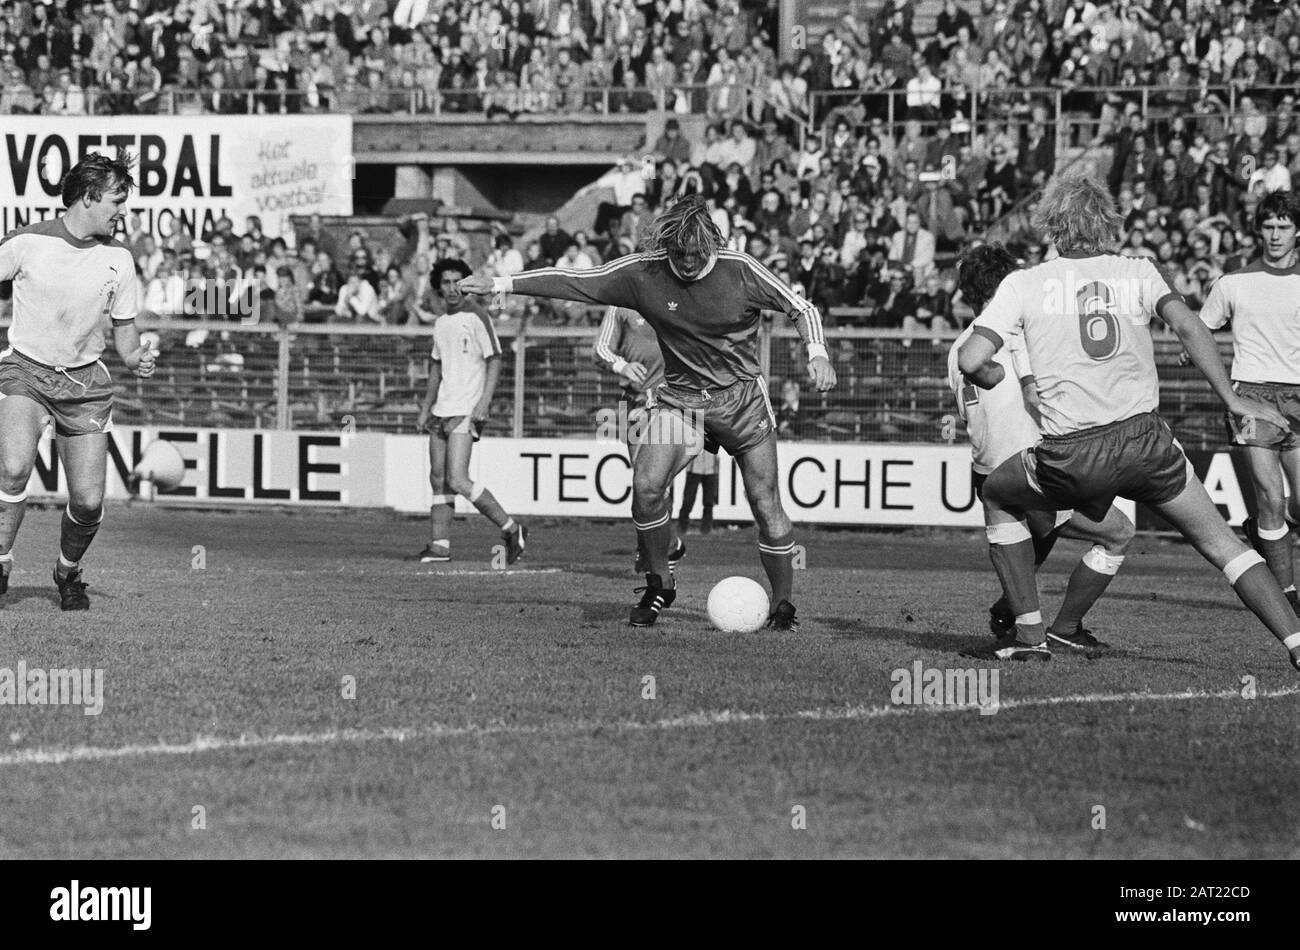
<point x="672" y="305"/>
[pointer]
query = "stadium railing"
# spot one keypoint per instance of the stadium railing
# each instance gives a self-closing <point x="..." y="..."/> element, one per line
<point x="686" y="98"/>
<point x="892" y="386"/>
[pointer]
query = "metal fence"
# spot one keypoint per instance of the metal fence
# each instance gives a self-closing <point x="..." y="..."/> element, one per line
<point x="892" y="387"/>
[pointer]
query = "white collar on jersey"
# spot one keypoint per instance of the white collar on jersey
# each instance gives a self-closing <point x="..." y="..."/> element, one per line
<point x="704" y="273"/>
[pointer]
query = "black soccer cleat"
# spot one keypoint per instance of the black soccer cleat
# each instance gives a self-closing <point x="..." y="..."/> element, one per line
<point x="782" y="617"/>
<point x="4" y="583"/>
<point x="72" y="591"/>
<point x="653" y="601"/>
<point x="1079" y="640"/>
<point x="1009" y="648"/>
<point x="515" y="543"/>
<point x="434" y="554"/>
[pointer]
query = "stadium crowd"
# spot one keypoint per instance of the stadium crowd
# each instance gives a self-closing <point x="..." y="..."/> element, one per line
<point x="868" y="215"/>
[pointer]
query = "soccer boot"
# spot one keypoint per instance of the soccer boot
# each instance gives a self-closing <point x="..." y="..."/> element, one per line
<point x="435" y="553"/>
<point x="782" y="617"/>
<point x="654" y="599"/>
<point x="1009" y="648"/>
<point x="515" y="542"/>
<point x="72" y="591"/>
<point x="1081" y="639"/>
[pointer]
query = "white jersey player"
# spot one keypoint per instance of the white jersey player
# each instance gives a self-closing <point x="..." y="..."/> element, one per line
<point x="71" y="282"/>
<point x="1262" y="303"/>
<point x="1084" y="317"/>
<point x="1000" y="426"/>
<point x="462" y="379"/>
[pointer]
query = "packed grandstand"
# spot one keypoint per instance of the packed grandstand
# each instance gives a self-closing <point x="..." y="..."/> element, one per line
<point x="857" y="161"/>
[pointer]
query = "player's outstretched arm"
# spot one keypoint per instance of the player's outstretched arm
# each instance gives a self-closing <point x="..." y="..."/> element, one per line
<point x="138" y="357"/>
<point x="611" y="285"/>
<point x="1199" y="343"/>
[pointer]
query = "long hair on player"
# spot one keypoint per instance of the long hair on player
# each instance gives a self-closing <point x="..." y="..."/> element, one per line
<point x="980" y="271"/>
<point x="97" y="175"/>
<point x="1078" y="214"/>
<point x="1278" y="204"/>
<point x="687" y="227"/>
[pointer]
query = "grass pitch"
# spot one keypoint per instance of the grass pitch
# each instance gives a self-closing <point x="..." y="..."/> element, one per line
<point x="503" y="714"/>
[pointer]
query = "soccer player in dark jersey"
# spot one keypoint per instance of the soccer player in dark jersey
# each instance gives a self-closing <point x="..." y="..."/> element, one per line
<point x="1262" y="302"/>
<point x="703" y="302"/>
<point x="71" y="282"/>
<point x="1084" y="318"/>
<point x="629" y="348"/>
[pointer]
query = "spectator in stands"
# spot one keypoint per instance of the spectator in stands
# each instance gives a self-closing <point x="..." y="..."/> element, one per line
<point x="394" y="297"/>
<point x="913" y="247"/>
<point x="358" y="302"/>
<point x="896" y="302"/>
<point x="505" y="261"/>
<point x="553" y="242"/>
<point x="672" y="146"/>
<point x="622" y="182"/>
<point x="933" y="309"/>
<point x="325" y="282"/>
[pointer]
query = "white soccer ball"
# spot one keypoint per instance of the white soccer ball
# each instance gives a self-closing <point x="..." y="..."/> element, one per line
<point x="162" y="464"/>
<point x="738" y="605"/>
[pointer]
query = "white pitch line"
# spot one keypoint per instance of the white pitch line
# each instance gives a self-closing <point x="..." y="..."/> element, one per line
<point x="504" y="570"/>
<point x="698" y="720"/>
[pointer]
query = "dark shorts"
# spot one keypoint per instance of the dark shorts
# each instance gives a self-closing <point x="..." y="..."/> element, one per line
<point x="1138" y="458"/>
<point x="79" y="399"/>
<point x="738" y="418"/>
<point x="1283" y="397"/>
<point x="446" y="426"/>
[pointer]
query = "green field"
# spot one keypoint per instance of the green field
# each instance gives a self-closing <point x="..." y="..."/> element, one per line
<point x="485" y="698"/>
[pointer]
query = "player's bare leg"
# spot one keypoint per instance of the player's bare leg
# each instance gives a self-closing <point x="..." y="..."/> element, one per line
<point x="21" y="422"/>
<point x="658" y="461"/>
<point x="677" y="547"/>
<point x="440" y="507"/>
<point x="85" y="460"/>
<point x="758" y="468"/>
<point x="1008" y="497"/>
<point x="460" y="446"/>
<point x="1044" y="527"/>
<point x="1091" y="576"/>
<point x="1268" y="531"/>
<point x="1194" y="514"/>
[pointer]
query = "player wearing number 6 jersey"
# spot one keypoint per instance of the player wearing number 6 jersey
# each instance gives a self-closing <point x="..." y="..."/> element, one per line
<point x="1262" y="302"/>
<point x="71" y="283"/>
<point x="704" y="304"/>
<point x="1000" y="426"/>
<point x="1084" y="318"/>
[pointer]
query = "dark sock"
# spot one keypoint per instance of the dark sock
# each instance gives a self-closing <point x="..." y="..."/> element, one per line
<point x="654" y="542"/>
<point x="74" y="537"/>
<point x="1043" y="547"/>
<point x="1278" y="552"/>
<point x="777" y="556"/>
<point x="440" y="519"/>
<point x="1086" y="585"/>
<point x="1014" y="564"/>
<point x="489" y="507"/>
